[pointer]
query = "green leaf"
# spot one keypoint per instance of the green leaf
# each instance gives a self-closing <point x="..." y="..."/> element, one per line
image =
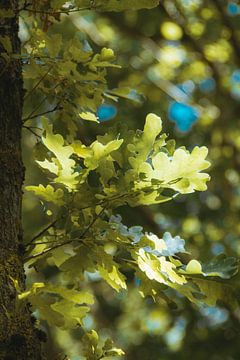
<point x="65" y="165"/>
<point x="54" y="44"/>
<point x="143" y="144"/>
<point x="71" y="314"/>
<point x="48" y="193"/>
<point x="103" y="60"/>
<point x="222" y="266"/>
<point x="48" y="165"/>
<point x="158" y="268"/>
<point x="76" y="296"/>
<point x="107" y="54"/>
<point x="127" y="93"/>
<point x="95" y="350"/>
<point x="109" y="270"/>
<point x="88" y="116"/>
<point x="45" y="312"/>
<point x="167" y="246"/>
<point x="217" y="291"/>
<point x="58" y="305"/>
<point x="78" y="263"/>
<point x="174" y="245"/>
<point x="194" y="267"/>
<point x="182" y="172"/>
<point x="97" y="152"/>
<point x="90" y="345"/>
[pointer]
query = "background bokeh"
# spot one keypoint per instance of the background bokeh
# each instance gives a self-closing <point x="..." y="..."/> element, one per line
<point x="181" y="61"/>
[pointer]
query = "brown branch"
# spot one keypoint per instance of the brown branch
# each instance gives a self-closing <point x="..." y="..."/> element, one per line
<point x="47" y="251"/>
<point x="38" y="83"/>
<point x="29" y="128"/>
<point x="92" y="223"/>
<point x="46" y="242"/>
<point x="42" y="232"/>
<point x="42" y="101"/>
<point x="42" y="113"/>
<point x="80" y="239"/>
<point x="38" y="106"/>
<point x="57" y="12"/>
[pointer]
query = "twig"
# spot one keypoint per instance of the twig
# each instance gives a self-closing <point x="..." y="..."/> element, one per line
<point x="41" y="114"/>
<point x="38" y="83"/>
<point x="80" y="239"/>
<point x="29" y="128"/>
<point x="55" y="12"/>
<point x="93" y="222"/>
<point x="47" y="251"/>
<point x="43" y="100"/>
<point x="38" y="57"/>
<point x="45" y="242"/>
<point x="37" y="107"/>
<point x="42" y="232"/>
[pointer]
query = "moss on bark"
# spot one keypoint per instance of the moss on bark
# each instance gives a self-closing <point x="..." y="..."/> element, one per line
<point x="18" y="337"/>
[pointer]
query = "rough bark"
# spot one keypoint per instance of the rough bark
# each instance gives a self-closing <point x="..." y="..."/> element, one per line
<point x="18" y="338"/>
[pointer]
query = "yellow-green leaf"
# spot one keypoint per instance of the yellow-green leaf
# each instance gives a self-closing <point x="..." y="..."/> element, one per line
<point x="48" y="193"/>
<point x="194" y="267"/>
<point x="88" y="116"/>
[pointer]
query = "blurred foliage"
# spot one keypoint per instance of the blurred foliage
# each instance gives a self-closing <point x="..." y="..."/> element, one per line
<point x="180" y="60"/>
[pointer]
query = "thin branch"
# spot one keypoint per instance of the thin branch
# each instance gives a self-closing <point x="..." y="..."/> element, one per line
<point x="80" y="239"/>
<point x="47" y="251"/>
<point x="38" y="106"/>
<point x="42" y="232"/>
<point x="38" y="57"/>
<point x="41" y="114"/>
<point x="58" y="12"/>
<point x="38" y="83"/>
<point x="43" y="100"/>
<point x="93" y="222"/>
<point x="45" y="242"/>
<point x="29" y="128"/>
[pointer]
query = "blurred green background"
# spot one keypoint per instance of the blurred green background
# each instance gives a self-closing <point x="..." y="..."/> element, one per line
<point x="182" y="62"/>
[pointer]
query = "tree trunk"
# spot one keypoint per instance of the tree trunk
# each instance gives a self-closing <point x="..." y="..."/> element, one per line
<point x="18" y="337"/>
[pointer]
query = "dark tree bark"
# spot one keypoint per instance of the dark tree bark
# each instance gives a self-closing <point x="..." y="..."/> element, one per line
<point x="18" y="337"/>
